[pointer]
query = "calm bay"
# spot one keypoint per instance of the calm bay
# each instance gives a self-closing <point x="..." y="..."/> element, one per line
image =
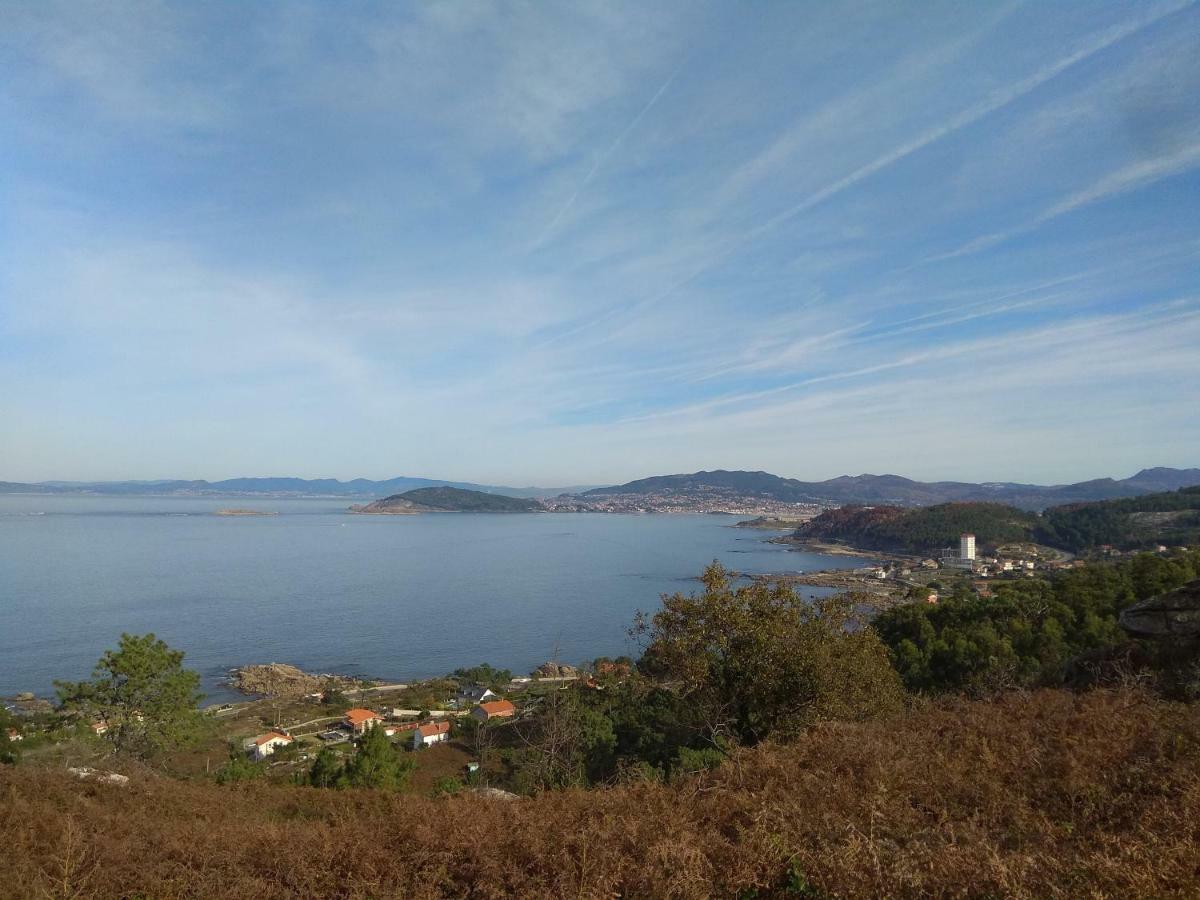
<point x="396" y="597"/>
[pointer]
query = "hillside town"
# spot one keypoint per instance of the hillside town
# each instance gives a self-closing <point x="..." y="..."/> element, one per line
<point x="715" y="501"/>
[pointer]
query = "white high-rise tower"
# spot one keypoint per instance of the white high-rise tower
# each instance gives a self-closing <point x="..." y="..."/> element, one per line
<point x="966" y="547"/>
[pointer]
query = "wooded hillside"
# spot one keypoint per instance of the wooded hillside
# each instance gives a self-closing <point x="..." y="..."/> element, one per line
<point x="923" y="530"/>
<point x="1133" y="523"/>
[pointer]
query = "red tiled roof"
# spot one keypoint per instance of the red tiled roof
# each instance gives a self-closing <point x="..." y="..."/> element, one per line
<point x="433" y="728"/>
<point x="270" y="736"/>
<point x="498" y="708"/>
<point x="358" y="716"/>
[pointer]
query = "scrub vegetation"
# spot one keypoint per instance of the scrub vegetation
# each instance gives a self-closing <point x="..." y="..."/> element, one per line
<point x="1043" y="794"/>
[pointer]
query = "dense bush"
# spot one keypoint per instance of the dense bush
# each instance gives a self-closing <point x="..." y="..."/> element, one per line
<point x="758" y="661"/>
<point x="1027" y="632"/>
<point x="485" y="674"/>
<point x="377" y="764"/>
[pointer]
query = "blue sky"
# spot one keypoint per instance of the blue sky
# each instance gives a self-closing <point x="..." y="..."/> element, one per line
<point x="566" y="242"/>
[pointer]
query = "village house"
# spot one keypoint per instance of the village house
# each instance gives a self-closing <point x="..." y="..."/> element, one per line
<point x="476" y="693"/>
<point x="266" y="744"/>
<point x="14" y="735"/>
<point x="359" y="720"/>
<point x="496" y="709"/>
<point x="99" y="728"/>
<point x="431" y="733"/>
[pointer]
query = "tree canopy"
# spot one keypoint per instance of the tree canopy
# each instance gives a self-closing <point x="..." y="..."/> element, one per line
<point x="923" y="530"/>
<point x="485" y="674"/>
<point x="759" y="661"/>
<point x="144" y="694"/>
<point x="1027" y="632"/>
<point x="377" y="764"/>
<point x="1130" y="523"/>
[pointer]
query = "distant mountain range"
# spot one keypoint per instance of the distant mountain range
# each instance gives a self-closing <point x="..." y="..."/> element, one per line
<point x="846" y="489"/>
<point x="899" y="491"/>
<point x="297" y="487"/>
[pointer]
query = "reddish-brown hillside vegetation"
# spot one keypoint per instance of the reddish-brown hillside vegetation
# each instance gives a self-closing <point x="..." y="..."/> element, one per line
<point x="1046" y="794"/>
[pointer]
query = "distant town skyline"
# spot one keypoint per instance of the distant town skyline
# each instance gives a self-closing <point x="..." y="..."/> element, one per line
<point x="529" y="244"/>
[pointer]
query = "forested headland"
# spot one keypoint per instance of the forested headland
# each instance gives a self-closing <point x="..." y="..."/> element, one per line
<point x="1171" y="518"/>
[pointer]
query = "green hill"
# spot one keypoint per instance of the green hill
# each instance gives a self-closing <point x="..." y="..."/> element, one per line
<point x="1133" y="523"/>
<point x="449" y="499"/>
<point x="921" y="530"/>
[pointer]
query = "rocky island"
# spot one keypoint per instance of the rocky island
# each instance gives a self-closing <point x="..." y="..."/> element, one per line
<point x="447" y="499"/>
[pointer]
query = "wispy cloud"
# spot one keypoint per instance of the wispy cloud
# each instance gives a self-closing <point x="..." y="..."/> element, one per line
<point x="998" y="100"/>
<point x="606" y="155"/>
<point x="298" y="238"/>
<point x="1132" y="177"/>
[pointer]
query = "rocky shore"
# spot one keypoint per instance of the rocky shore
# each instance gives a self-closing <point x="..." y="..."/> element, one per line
<point x="831" y="549"/>
<point x="848" y="581"/>
<point x="283" y="680"/>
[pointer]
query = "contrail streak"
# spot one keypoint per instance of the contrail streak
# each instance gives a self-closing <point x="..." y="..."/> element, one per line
<point x="970" y="116"/>
<point x="998" y="100"/>
<point x="607" y="154"/>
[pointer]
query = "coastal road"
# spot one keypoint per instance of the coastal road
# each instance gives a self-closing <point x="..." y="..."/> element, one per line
<point x="378" y="687"/>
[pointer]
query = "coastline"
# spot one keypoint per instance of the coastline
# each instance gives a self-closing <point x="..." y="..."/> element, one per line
<point x="826" y="549"/>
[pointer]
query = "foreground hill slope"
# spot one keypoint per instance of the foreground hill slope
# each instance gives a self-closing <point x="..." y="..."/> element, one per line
<point x="1046" y="794"/>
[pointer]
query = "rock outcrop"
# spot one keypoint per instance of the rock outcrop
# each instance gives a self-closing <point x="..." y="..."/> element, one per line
<point x="282" y="680"/>
<point x="556" y="670"/>
<point x="1175" y="614"/>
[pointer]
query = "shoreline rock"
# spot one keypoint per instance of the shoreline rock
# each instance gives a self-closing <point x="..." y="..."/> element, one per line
<point x="284" y="680"/>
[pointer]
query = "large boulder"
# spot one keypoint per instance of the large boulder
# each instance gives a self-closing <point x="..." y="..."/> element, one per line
<point x="556" y="670"/>
<point x="1175" y="614"/>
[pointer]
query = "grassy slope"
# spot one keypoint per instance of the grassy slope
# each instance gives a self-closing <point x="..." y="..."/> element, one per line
<point x="1047" y="794"/>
